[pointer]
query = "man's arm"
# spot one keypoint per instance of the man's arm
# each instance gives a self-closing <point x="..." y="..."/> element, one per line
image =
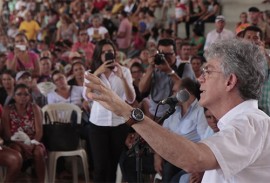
<point x="190" y="156"/>
<point x="145" y="82"/>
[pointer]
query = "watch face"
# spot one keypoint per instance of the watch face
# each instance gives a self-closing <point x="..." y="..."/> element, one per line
<point x="137" y="114"/>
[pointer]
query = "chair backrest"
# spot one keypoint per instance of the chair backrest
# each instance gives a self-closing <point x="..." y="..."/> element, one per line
<point x="61" y="112"/>
<point x="46" y="87"/>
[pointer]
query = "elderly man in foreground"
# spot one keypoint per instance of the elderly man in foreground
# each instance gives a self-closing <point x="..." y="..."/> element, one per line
<point x="230" y="85"/>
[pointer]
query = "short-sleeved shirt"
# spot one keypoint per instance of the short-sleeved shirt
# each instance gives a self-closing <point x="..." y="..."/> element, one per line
<point x="241" y="147"/>
<point x="126" y="27"/>
<point x="30" y="66"/>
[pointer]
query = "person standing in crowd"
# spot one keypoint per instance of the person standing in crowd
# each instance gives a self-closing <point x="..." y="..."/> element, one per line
<point x="124" y="33"/>
<point x="21" y="58"/>
<point x="25" y="116"/>
<point x="231" y="83"/>
<point x="163" y="72"/>
<point x="219" y="33"/>
<point x="107" y="130"/>
<point x="85" y="46"/>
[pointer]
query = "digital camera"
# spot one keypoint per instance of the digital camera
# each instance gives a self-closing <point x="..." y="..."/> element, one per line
<point x="159" y="58"/>
<point x="109" y="58"/>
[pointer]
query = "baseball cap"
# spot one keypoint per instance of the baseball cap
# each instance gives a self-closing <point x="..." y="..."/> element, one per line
<point x="253" y="9"/>
<point x="22" y="73"/>
<point x="220" y="18"/>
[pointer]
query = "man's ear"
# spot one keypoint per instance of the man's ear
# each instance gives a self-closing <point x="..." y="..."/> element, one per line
<point x="231" y="82"/>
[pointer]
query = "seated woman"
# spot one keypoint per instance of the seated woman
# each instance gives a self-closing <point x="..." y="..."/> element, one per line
<point x="45" y="69"/>
<point x="23" y="115"/>
<point x="65" y="93"/>
<point x="9" y="158"/>
<point x="77" y="71"/>
<point x="7" y="89"/>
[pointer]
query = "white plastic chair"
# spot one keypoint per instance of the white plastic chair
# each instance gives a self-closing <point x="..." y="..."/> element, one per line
<point x="61" y="112"/>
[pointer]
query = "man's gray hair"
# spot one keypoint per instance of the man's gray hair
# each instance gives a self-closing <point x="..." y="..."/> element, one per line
<point x="245" y="60"/>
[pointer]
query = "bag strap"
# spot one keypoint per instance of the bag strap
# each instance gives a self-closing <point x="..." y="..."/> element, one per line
<point x="21" y="64"/>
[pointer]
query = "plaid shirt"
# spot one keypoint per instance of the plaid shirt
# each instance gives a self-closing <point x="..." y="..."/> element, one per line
<point x="264" y="100"/>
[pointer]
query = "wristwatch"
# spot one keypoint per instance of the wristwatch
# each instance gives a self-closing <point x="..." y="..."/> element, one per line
<point x="136" y="116"/>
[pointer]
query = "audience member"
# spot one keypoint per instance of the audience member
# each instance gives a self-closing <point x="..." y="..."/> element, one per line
<point x="198" y="40"/>
<point x="108" y="131"/>
<point x="3" y="65"/>
<point x="25" y="116"/>
<point x="65" y="93"/>
<point x="219" y="33"/>
<point x="195" y="9"/>
<point x="197" y="63"/>
<point x="254" y="15"/>
<point x="124" y="33"/>
<point x="45" y="69"/>
<point x="9" y="158"/>
<point x="97" y="32"/>
<point x="67" y="29"/>
<point x="255" y="35"/>
<point x="213" y="10"/>
<point x="7" y="89"/>
<point x="162" y="72"/>
<point x="23" y="59"/>
<point x="85" y="46"/>
<point x="24" y="77"/>
<point x="77" y="71"/>
<point x="29" y="27"/>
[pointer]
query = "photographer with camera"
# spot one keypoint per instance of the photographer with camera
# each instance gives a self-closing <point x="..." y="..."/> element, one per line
<point x="107" y="131"/>
<point x="164" y="70"/>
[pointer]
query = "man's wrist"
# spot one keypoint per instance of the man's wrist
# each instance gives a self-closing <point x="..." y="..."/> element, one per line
<point x="172" y="72"/>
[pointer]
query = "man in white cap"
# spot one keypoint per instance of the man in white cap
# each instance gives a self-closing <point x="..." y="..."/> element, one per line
<point x="220" y="33"/>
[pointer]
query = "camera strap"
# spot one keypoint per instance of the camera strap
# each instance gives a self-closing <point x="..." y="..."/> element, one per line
<point x="180" y="69"/>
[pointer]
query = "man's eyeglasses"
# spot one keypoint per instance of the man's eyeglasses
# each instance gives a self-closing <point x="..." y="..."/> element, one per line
<point x="168" y="54"/>
<point x="206" y="72"/>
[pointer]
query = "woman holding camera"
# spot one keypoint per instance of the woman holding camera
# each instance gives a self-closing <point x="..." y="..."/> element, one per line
<point x="108" y="131"/>
<point x="21" y="58"/>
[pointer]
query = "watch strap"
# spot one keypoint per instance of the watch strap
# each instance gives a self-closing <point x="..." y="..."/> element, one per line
<point x="131" y="121"/>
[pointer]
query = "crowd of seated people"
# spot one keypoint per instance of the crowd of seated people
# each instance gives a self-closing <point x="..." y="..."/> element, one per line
<point x="137" y="55"/>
